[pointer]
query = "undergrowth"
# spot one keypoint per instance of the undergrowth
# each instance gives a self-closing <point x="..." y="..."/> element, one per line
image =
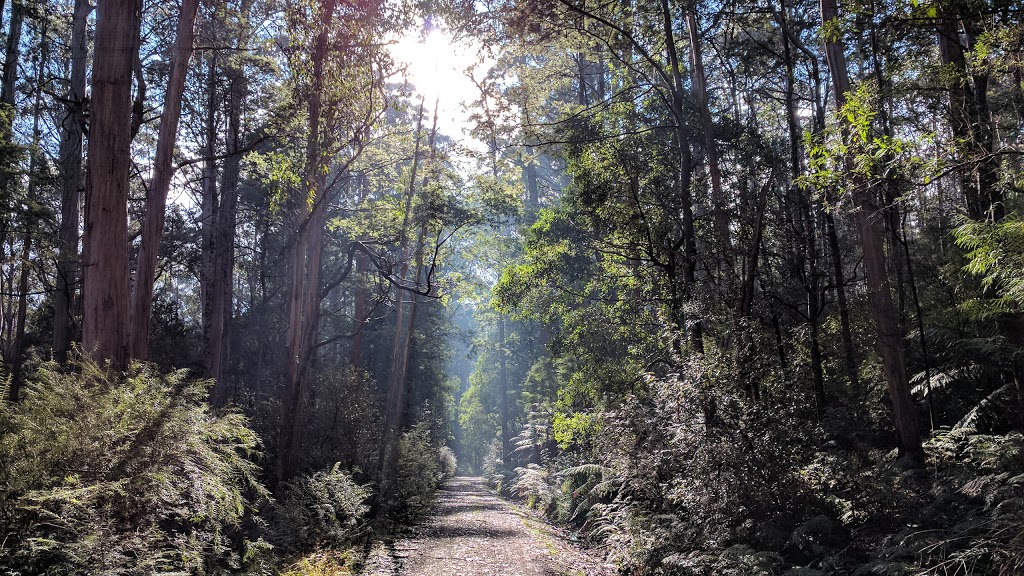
<point x="687" y="478"/>
<point x="104" y="473"/>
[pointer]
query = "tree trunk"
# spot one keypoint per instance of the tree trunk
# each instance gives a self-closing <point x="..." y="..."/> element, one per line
<point x="224" y="265"/>
<point x="718" y="199"/>
<point x="8" y="109"/>
<point x="305" y="261"/>
<point x="105" y="322"/>
<point x="869" y="222"/>
<point x="208" y="216"/>
<point x="18" y="343"/>
<point x="970" y="124"/>
<point x="832" y="239"/>
<point x="30" y="220"/>
<point x="71" y="128"/>
<point x="360" y="313"/>
<point x="682" y="137"/>
<point x="506" y="432"/>
<point x="803" y="221"/>
<point x="405" y="322"/>
<point x="163" y="171"/>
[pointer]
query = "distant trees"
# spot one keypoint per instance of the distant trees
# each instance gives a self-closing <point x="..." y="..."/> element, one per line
<point x="253" y="210"/>
<point x="889" y="342"/>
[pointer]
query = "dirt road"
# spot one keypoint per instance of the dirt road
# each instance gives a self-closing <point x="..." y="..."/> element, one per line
<point x="473" y="532"/>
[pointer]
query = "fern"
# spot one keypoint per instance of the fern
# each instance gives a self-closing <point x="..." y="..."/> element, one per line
<point x="123" y="474"/>
<point x="1000" y="401"/>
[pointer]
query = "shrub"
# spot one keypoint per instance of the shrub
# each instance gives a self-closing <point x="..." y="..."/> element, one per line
<point x="324" y="563"/>
<point x="418" y="475"/>
<point x="122" y="474"/>
<point x="447" y="465"/>
<point x="535" y="485"/>
<point x="323" y="510"/>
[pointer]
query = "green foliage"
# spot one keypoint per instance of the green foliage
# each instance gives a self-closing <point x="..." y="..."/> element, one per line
<point x="122" y="474"/>
<point x="324" y="563"/>
<point x="995" y="253"/>
<point x="573" y="428"/>
<point x="479" y="426"/>
<point x="325" y="509"/>
<point x="535" y="485"/>
<point x="874" y="157"/>
<point x="420" y="472"/>
<point x="447" y="465"/>
<point x="723" y="469"/>
<point x="982" y="475"/>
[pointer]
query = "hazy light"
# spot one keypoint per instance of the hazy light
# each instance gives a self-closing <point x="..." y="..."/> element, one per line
<point x="436" y="68"/>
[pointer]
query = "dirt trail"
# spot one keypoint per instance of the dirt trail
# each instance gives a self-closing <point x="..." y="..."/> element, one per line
<point x="473" y="532"/>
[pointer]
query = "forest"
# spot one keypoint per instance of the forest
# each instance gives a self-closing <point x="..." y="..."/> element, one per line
<point x="716" y="287"/>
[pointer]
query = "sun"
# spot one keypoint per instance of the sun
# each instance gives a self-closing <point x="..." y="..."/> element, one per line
<point x="436" y="67"/>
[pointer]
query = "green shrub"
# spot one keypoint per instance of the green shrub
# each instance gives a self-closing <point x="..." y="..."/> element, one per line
<point x="418" y="473"/>
<point x="324" y="563"/>
<point x="447" y="465"/>
<point x="326" y="510"/>
<point x="122" y="474"/>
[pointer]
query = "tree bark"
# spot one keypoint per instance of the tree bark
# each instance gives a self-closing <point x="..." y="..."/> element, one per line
<point x="208" y="215"/>
<point x="9" y="111"/>
<point x="305" y="259"/>
<point x="803" y="221"/>
<point x="405" y="321"/>
<point x="105" y="322"/>
<point x="224" y="265"/>
<point x="30" y="220"/>
<point x="506" y="432"/>
<point x="970" y="123"/>
<point x="868" y="217"/>
<point x="163" y="171"/>
<point x="832" y="239"/>
<point x="71" y="129"/>
<point x="18" y="343"/>
<point x="682" y="136"/>
<point x="360" y="313"/>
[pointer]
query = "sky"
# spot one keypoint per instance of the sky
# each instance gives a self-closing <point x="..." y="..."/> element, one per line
<point x="436" y="69"/>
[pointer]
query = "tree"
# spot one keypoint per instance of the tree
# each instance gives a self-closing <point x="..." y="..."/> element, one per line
<point x="156" y="204"/>
<point x="71" y="130"/>
<point x="105" y="317"/>
<point x="868" y="217"/>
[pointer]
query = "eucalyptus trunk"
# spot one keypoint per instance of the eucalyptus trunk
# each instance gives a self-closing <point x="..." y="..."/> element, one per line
<point x="309" y="204"/>
<point x="105" y="318"/>
<point x="869" y="220"/>
<point x="163" y="171"/>
<point x="70" y="174"/>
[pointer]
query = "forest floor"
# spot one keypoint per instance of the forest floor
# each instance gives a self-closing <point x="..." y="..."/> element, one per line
<point x="473" y="532"/>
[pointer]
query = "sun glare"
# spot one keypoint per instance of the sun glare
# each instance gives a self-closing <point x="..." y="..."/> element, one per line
<point x="435" y="67"/>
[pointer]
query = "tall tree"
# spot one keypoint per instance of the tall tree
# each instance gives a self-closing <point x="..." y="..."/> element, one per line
<point x="163" y="171"/>
<point x="305" y="260"/>
<point x="870" y="226"/>
<point x="70" y="166"/>
<point x="105" y="317"/>
<point x="406" y="303"/>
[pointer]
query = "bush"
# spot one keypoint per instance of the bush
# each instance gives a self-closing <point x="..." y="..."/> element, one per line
<point x="324" y="563"/>
<point x="418" y="473"/>
<point x="447" y="465"/>
<point x="122" y="474"/>
<point x="326" y="509"/>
